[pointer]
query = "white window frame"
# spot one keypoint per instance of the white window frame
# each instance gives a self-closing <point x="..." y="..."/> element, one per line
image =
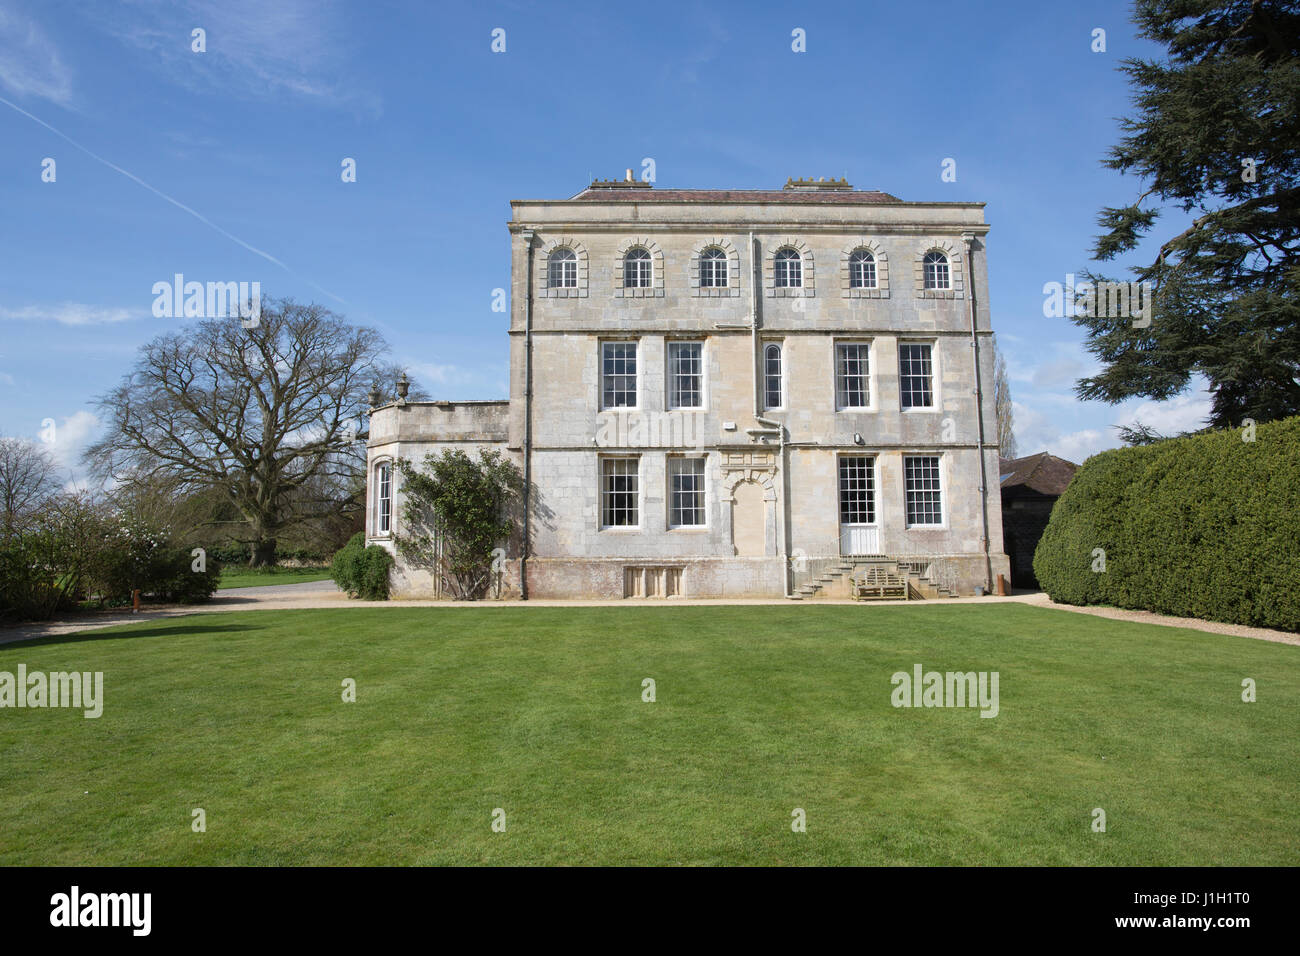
<point x="932" y="377"/>
<point x="605" y="392"/>
<point x="675" y="464"/>
<point x="863" y="257"/>
<point x="609" y="466"/>
<point x="841" y="393"/>
<point x="383" y="526"/>
<point x="567" y="260"/>
<point x="872" y="489"/>
<point x="940" y="490"/>
<point x="931" y="274"/>
<point x="782" y="261"/>
<point x="778" y="376"/>
<point x="672" y="350"/>
<point x="638" y="268"/>
<point x="712" y="260"/>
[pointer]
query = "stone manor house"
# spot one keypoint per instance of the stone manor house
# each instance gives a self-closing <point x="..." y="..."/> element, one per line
<point x="733" y="393"/>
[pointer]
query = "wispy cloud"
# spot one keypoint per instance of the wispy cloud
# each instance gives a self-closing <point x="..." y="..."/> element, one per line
<point x="30" y="64"/>
<point x="252" y="47"/>
<point x="162" y="195"/>
<point x="72" y="313"/>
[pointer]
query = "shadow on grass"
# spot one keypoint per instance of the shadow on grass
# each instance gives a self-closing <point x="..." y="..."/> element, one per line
<point x="110" y="633"/>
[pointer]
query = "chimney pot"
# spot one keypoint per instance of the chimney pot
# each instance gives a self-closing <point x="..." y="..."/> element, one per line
<point x="629" y="175"/>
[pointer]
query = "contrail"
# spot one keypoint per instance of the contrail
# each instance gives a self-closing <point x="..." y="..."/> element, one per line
<point x="179" y="205"/>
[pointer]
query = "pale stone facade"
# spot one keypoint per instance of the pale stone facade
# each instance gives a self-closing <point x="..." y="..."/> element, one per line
<point x="671" y="452"/>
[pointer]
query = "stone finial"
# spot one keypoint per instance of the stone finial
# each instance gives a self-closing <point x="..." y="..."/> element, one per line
<point x="374" y="396"/>
<point x="403" y="386"/>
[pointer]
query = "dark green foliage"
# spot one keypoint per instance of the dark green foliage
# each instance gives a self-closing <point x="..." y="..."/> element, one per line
<point x="360" y="571"/>
<point x="456" y="513"/>
<point x="78" y="551"/>
<point x="1206" y="526"/>
<point x="1227" y="277"/>
<point x="175" y="580"/>
<point x="240" y="553"/>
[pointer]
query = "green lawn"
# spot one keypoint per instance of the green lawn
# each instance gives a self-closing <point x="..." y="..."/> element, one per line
<point x="236" y="576"/>
<point x="760" y="710"/>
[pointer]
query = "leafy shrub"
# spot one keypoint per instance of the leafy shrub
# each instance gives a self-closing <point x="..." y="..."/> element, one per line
<point x="360" y="571"/>
<point x="456" y="514"/>
<point x="1205" y="526"/>
<point x="47" y="566"/>
<point x="173" y="578"/>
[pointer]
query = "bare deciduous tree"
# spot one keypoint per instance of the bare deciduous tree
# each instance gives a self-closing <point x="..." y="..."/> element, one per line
<point x="270" y="415"/>
<point x="29" y="476"/>
<point x="1002" y="403"/>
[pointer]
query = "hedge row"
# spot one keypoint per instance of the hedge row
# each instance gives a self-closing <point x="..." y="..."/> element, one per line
<point x="1206" y="526"/>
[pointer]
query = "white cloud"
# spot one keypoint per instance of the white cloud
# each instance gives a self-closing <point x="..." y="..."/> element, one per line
<point x="30" y="64"/>
<point x="1182" y="413"/>
<point x="1081" y="445"/>
<point x="71" y="437"/>
<point x="72" y="313"/>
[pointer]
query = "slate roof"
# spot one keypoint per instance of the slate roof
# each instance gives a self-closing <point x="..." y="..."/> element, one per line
<point x="1043" y="472"/>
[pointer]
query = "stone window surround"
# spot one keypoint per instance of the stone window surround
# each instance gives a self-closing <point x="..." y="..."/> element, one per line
<point x="881" y="291"/>
<point x="544" y="289"/>
<point x="954" y="253"/>
<point x="809" y="287"/>
<point x="656" y="287"/>
<point x="732" y="287"/>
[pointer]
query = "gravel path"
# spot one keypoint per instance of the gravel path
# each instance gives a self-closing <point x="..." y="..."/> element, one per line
<point x="324" y="594"/>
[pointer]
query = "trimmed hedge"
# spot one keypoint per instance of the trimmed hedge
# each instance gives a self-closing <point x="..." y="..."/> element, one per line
<point x="362" y="571"/>
<point x="1206" y="526"/>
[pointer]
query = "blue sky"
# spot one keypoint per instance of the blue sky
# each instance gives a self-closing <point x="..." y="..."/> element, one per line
<point x="250" y="135"/>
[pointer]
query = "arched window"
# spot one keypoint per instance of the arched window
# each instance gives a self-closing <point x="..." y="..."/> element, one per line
<point x="562" y="269"/>
<point x="713" y="269"/>
<point x="773" y="396"/>
<point x="862" y="270"/>
<point x="936" y="271"/>
<point x="384" y="498"/>
<point x="637" y="269"/>
<point x="789" y="269"/>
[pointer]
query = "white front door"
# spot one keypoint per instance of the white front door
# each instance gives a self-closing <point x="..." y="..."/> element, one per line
<point x="859" y="533"/>
<point x="856" y="539"/>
